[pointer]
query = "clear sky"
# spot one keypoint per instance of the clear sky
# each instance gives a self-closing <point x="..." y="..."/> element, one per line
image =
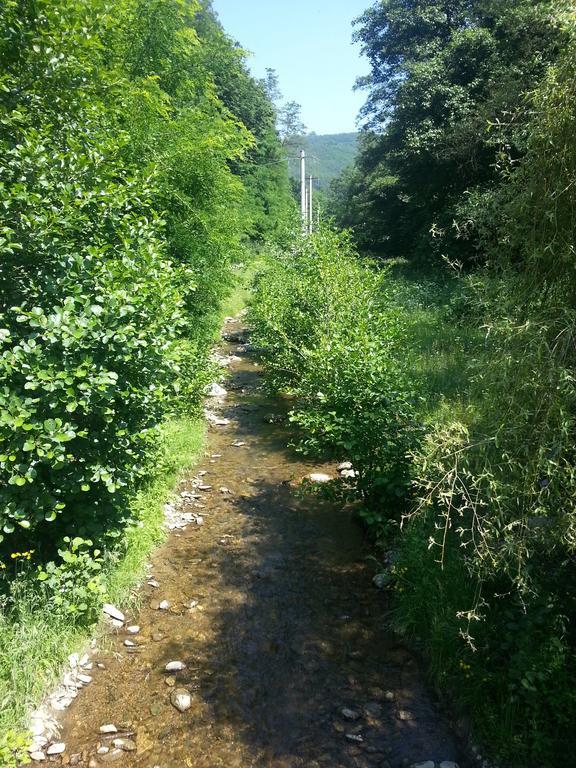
<point x="309" y="44"/>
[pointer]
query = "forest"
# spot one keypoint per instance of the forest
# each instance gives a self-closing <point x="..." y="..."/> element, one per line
<point x="424" y="334"/>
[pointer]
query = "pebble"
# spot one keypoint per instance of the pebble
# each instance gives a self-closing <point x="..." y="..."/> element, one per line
<point x="175" y="666"/>
<point x="85" y="679"/>
<point x="319" y="477"/>
<point x="223" y="489"/>
<point x="164" y="605"/>
<point x="181" y="699"/>
<point x="103" y="750"/>
<point x="215" y="390"/>
<point x="356" y="738"/>
<point x="344" y="465"/>
<point x="93" y="763"/>
<point x="112" y="756"/>
<point x="127" y="745"/>
<point x="204" y="487"/>
<point x="448" y="764"/>
<point x="349" y="714"/>
<point x="38" y="756"/>
<point x="113" y="612"/>
<point x="381" y="580"/>
<point x="348" y="474"/>
<point x="238" y="444"/>
<point x="133" y="630"/>
<point x="405" y="715"/>
<point x="130" y="644"/>
<point x="153" y="583"/>
<point x="170" y="682"/>
<point x="109" y="728"/>
<point x="427" y="764"/>
<point x="157" y="637"/>
<point x="56" y="749"/>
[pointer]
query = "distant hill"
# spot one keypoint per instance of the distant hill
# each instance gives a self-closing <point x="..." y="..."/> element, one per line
<point x="328" y="155"/>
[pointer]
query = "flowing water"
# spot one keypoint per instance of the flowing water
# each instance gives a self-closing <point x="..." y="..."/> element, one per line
<point x="289" y="661"/>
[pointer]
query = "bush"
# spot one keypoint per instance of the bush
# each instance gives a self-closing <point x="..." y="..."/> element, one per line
<point x="332" y="336"/>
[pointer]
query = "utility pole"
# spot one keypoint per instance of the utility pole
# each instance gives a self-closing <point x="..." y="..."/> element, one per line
<point x="310" y="206"/>
<point x="304" y="207"/>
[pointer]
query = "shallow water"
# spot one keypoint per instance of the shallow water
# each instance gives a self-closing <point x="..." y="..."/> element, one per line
<point x="288" y="629"/>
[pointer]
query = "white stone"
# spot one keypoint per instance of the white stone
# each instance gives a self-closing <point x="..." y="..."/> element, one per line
<point x="344" y="465"/>
<point x="74" y="660"/>
<point x="181" y="699"/>
<point x="133" y="630"/>
<point x="117" y="623"/>
<point x="175" y="666"/>
<point x="348" y="474"/>
<point x="85" y="679"/>
<point x="38" y="756"/>
<point x="215" y="390"/>
<point x="319" y="477"/>
<point x="56" y="749"/>
<point x="113" y="612"/>
<point x="108" y="728"/>
<point x="103" y="750"/>
<point x="129" y="644"/>
<point x="164" y="605"/>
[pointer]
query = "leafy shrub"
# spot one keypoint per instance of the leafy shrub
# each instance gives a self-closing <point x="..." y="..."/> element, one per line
<point x="333" y="337"/>
<point x="76" y="587"/>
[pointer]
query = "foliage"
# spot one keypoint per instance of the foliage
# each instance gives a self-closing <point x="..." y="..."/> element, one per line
<point x="333" y="338"/>
<point x="439" y="75"/>
<point x="13" y="749"/>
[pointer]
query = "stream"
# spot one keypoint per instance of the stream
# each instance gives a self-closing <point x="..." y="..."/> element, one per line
<point x="271" y="608"/>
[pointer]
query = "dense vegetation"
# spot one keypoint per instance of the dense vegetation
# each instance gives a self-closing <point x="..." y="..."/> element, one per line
<point x="451" y="388"/>
<point x="136" y="156"/>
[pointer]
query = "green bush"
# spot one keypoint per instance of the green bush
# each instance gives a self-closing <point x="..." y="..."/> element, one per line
<point x="333" y="337"/>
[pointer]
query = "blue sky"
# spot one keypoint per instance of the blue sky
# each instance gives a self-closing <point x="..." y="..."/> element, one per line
<point x="309" y="44"/>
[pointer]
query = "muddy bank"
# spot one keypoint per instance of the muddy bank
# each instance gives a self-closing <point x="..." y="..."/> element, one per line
<point x="267" y="601"/>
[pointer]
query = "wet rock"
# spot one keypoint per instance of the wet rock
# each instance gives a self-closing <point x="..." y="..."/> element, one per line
<point x="448" y="764"/>
<point x="113" y="612"/>
<point x="181" y="699"/>
<point x="108" y="728"/>
<point x="426" y="764"/>
<point x="126" y="745"/>
<point x="175" y="666"/>
<point x="215" y="390"/>
<point x="56" y="749"/>
<point x="319" y="478"/>
<point x="38" y="756"/>
<point x="382" y="580"/>
<point x="349" y="714"/>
